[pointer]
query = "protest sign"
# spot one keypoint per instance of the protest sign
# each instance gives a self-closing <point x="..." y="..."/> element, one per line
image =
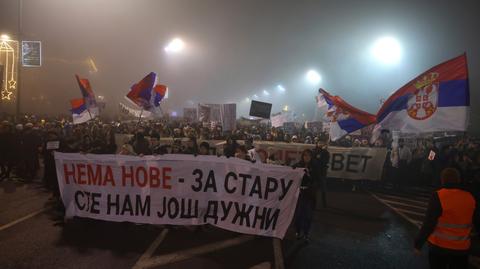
<point x="229" y="116"/>
<point x="203" y="113"/>
<point x="316" y="126"/>
<point x="260" y="109"/>
<point x="232" y="194"/>
<point x="53" y="144"/>
<point x="279" y="119"/>
<point x="190" y="114"/>
<point x="215" y="112"/>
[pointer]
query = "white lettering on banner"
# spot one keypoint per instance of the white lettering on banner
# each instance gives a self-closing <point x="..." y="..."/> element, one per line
<point x="232" y="194"/>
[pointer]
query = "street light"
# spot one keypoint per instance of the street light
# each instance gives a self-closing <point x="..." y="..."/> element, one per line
<point x="280" y="88"/>
<point x="387" y="50"/>
<point x="175" y="46"/>
<point x="313" y="76"/>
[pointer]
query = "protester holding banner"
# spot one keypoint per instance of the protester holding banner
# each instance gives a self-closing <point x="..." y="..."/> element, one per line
<point x="141" y="145"/>
<point x="322" y="159"/>
<point x="6" y="149"/>
<point x="52" y="143"/>
<point x="230" y="147"/>
<point x="307" y="199"/>
<point x="204" y="148"/>
<point x="191" y="147"/>
<point x="241" y="153"/>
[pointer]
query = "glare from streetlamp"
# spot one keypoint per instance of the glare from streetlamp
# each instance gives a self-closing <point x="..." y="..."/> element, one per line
<point x="4" y="37"/>
<point x="175" y="46"/>
<point x="387" y="50"/>
<point x="281" y="88"/>
<point x="313" y="77"/>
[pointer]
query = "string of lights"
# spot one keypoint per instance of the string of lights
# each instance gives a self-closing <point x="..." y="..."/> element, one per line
<point x="8" y="58"/>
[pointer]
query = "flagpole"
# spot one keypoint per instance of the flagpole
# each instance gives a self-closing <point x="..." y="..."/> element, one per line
<point x="140" y="117"/>
<point x="90" y="114"/>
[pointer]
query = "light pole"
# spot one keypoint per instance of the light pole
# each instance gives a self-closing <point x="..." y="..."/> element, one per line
<point x="19" y="81"/>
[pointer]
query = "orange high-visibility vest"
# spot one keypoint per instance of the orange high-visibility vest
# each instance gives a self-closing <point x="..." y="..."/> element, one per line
<point x="455" y="223"/>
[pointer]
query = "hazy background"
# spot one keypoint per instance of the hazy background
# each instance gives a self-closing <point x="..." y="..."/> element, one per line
<point x="235" y="49"/>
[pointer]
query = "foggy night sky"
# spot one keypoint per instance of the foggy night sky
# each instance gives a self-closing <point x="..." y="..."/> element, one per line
<point x="235" y="49"/>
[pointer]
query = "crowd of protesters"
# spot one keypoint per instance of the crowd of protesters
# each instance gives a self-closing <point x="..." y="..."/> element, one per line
<point x="23" y="143"/>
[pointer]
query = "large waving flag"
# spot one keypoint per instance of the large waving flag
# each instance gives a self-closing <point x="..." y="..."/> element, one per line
<point x="80" y="113"/>
<point x="343" y="117"/>
<point x="146" y="94"/>
<point x="159" y="92"/>
<point x="437" y="100"/>
<point x="87" y="92"/>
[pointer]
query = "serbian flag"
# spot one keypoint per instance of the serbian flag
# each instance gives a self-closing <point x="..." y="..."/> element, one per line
<point x="343" y="117"/>
<point x="146" y="94"/>
<point x="88" y="95"/>
<point x="80" y="112"/>
<point x="159" y="92"/>
<point x="437" y="100"/>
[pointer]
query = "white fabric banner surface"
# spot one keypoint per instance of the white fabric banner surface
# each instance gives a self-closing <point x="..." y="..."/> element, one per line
<point x="232" y="194"/>
<point x="346" y="163"/>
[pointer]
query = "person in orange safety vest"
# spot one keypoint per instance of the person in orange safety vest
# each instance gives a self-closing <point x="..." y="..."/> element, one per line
<point x="451" y="214"/>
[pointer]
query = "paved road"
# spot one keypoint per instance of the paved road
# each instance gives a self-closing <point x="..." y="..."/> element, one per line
<point x="411" y="204"/>
<point x="355" y="231"/>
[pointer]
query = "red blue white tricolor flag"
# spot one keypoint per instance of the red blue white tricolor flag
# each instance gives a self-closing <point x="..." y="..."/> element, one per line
<point x="87" y="93"/>
<point x="146" y="94"/>
<point x="80" y="113"/>
<point x="436" y="100"/>
<point x="343" y="117"/>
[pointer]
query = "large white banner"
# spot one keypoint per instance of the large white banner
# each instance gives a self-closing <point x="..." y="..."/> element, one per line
<point x="357" y="163"/>
<point x="345" y="163"/>
<point x="174" y="189"/>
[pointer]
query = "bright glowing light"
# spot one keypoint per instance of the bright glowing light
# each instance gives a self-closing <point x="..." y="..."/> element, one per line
<point x="266" y="93"/>
<point x="255" y="96"/>
<point x="387" y="50"/>
<point x="92" y="65"/>
<point x="175" y="46"/>
<point x="285" y="108"/>
<point x="313" y="77"/>
<point x="280" y="88"/>
<point x="8" y="58"/>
